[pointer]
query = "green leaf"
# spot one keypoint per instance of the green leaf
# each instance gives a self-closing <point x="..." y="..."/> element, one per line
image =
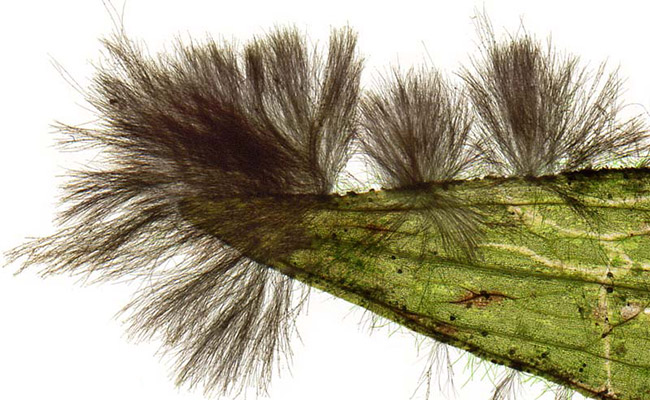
<point x="545" y="275"/>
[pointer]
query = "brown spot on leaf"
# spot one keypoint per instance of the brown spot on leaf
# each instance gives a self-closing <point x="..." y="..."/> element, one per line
<point x="446" y="329"/>
<point x="481" y="299"/>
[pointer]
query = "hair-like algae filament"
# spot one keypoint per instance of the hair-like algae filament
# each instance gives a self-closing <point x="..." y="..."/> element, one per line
<point x="557" y="285"/>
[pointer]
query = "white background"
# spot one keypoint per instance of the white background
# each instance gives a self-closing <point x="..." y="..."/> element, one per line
<point x="59" y="339"/>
